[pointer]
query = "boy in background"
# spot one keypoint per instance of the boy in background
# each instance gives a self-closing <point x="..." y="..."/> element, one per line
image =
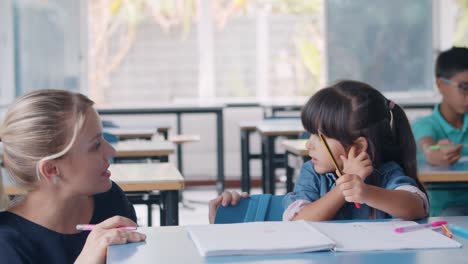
<point x="441" y="136"/>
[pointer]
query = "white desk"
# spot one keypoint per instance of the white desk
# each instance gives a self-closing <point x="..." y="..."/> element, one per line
<point x="173" y="245"/>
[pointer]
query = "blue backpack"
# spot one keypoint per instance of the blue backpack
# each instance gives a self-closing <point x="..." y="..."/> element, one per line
<point x="261" y="207"/>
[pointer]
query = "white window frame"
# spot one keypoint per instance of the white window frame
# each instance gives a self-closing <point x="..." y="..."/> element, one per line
<point x="205" y="35"/>
<point x="84" y="30"/>
<point x="7" y="58"/>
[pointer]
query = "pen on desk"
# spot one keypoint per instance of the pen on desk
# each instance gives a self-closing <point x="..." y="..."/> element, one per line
<point x="446" y="231"/>
<point x="459" y="231"/>
<point x="90" y="227"/>
<point x="405" y="229"/>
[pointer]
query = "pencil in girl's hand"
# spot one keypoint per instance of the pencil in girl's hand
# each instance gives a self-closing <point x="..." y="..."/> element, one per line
<point x="91" y="227"/>
<point x="338" y="170"/>
<point x="324" y="142"/>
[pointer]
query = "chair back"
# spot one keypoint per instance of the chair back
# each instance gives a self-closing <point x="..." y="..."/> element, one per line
<point x="261" y="207"/>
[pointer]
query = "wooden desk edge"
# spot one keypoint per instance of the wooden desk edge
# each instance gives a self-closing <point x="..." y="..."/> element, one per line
<point x="428" y="177"/>
<point x="142" y="153"/>
<point x="280" y="133"/>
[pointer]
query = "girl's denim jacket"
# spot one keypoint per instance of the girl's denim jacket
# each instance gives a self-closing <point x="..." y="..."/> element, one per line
<point x="310" y="186"/>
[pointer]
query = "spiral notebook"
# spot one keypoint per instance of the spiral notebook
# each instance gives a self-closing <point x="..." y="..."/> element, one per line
<point x="257" y="238"/>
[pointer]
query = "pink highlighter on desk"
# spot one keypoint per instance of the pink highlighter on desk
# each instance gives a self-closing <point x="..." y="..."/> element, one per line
<point x="419" y="227"/>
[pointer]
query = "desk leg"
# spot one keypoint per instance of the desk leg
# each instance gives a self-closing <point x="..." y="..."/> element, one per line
<point x="164" y="134"/>
<point x="270" y="183"/>
<point x="289" y="172"/>
<point x="263" y="162"/>
<point x="245" y="160"/>
<point x="220" y="184"/>
<point x="179" y="146"/>
<point x="149" y="209"/>
<point x="164" y="159"/>
<point x="169" y="208"/>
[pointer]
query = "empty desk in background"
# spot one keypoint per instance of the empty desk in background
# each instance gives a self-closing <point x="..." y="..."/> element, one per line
<point x="297" y="148"/>
<point x="173" y="245"/>
<point x="178" y="110"/>
<point x="150" y="177"/>
<point x="269" y="131"/>
<point x="131" y="133"/>
<point x="271" y="107"/>
<point x="246" y="129"/>
<point x="271" y="128"/>
<point x="131" y="150"/>
<point x="143" y="149"/>
<point x="162" y="177"/>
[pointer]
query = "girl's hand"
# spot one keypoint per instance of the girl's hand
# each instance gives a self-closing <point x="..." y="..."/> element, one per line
<point x="105" y="234"/>
<point x="225" y="199"/>
<point x="357" y="164"/>
<point x="353" y="188"/>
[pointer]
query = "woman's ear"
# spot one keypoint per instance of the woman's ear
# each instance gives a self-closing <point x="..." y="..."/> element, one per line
<point x="361" y="145"/>
<point x="49" y="169"/>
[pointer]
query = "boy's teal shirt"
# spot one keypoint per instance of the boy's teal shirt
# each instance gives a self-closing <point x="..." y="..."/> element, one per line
<point x="436" y="127"/>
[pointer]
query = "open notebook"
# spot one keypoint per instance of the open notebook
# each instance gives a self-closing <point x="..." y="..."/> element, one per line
<point x="256" y="238"/>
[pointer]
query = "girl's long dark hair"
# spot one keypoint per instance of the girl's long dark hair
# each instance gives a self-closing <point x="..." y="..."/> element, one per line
<point x="351" y="109"/>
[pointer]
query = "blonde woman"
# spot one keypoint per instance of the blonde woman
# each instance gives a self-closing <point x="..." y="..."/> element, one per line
<point x="54" y="150"/>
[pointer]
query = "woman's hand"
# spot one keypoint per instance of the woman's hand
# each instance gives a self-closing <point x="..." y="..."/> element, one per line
<point x="353" y="188"/>
<point x="105" y="234"/>
<point x="360" y="165"/>
<point x="225" y="199"/>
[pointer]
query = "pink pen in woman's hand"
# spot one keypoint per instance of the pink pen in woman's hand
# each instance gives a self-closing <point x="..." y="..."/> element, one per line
<point x="90" y="227"/>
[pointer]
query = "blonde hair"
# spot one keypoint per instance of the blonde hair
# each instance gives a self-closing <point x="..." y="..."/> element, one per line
<point x="37" y="128"/>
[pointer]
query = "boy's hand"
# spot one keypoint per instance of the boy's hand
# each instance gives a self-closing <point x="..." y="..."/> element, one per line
<point x="225" y="199"/>
<point x="353" y="188"/>
<point x="357" y="164"/>
<point x="447" y="153"/>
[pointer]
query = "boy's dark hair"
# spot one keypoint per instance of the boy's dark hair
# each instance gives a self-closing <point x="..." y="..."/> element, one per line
<point x="350" y="109"/>
<point x="451" y="62"/>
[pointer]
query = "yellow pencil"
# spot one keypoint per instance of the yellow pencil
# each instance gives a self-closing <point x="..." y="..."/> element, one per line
<point x="447" y="231"/>
<point x="338" y="170"/>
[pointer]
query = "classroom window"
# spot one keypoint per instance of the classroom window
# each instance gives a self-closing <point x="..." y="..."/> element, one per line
<point x="159" y="51"/>
<point x="46" y="44"/>
<point x="383" y="43"/>
<point x="269" y="49"/>
<point x="460" y="22"/>
<point x="155" y="51"/>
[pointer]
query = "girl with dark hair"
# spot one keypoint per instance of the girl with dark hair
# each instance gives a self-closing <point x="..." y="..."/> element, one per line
<point x="371" y="140"/>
